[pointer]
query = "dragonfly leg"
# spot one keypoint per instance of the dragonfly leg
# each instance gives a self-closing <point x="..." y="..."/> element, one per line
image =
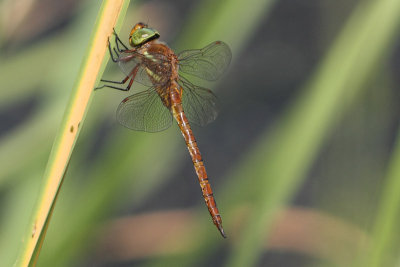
<point x="116" y="52"/>
<point x="118" y="41"/>
<point x="116" y="82"/>
<point x="111" y="53"/>
<point x="116" y="87"/>
<point x="132" y="75"/>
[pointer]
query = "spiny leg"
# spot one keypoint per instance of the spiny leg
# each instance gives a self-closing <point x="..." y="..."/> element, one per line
<point x="115" y="87"/>
<point x="118" y="41"/>
<point x="115" y="60"/>
<point x="116" y="82"/>
<point x="132" y="76"/>
<point x="117" y="51"/>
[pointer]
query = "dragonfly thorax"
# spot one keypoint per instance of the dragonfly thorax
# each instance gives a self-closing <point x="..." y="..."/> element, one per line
<point x="159" y="62"/>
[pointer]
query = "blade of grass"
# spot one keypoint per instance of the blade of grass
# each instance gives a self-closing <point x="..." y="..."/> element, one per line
<point x="42" y="123"/>
<point x="13" y="220"/>
<point x="230" y="23"/>
<point x="109" y="13"/>
<point x="278" y="163"/>
<point x="385" y="229"/>
<point x="40" y="54"/>
<point x="129" y="181"/>
<point x="15" y="144"/>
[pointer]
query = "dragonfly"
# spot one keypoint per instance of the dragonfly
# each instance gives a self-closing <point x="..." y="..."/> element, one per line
<point x="169" y="95"/>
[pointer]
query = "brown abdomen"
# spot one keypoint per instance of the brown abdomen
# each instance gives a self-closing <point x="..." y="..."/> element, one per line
<point x="198" y="163"/>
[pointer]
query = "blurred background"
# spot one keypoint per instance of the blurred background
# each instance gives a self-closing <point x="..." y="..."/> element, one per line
<point x="302" y="158"/>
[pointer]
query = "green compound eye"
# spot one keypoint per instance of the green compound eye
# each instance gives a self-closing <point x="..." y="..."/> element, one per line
<point x="139" y="36"/>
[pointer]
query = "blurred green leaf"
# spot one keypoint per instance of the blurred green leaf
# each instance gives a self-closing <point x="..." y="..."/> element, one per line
<point x="280" y="160"/>
<point x="385" y="233"/>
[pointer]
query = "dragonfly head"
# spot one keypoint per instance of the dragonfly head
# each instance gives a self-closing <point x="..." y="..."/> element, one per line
<point x="141" y="34"/>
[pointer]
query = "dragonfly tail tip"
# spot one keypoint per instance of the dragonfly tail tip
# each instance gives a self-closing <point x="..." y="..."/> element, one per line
<point x="221" y="230"/>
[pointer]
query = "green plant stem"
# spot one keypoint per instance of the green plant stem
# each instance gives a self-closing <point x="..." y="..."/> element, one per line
<point x="69" y="130"/>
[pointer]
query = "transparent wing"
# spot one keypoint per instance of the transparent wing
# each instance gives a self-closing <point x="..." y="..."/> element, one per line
<point x="136" y="65"/>
<point x="208" y="63"/>
<point x="144" y="111"/>
<point x="199" y="104"/>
